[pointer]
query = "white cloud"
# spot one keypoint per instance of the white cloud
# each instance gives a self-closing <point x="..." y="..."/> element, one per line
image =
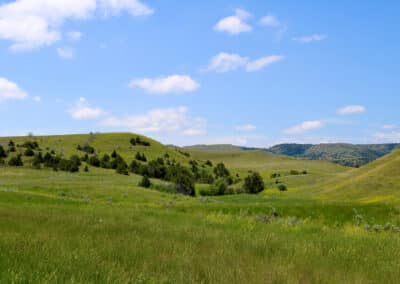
<point x="304" y="127"/>
<point x="262" y="62"/>
<point x="37" y="99"/>
<point x="246" y="127"/>
<point x="82" y="111"/>
<point x="353" y="109"/>
<point x="225" y="62"/>
<point x="167" y="120"/>
<point x="74" y="36"/>
<point x="10" y="91"/>
<point x="235" y="24"/>
<point x="134" y="7"/>
<point x="270" y="21"/>
<point x="388" y="136"/>
<point x="30" y="24"/>
<point x="165" y="85"/>
<point x="65" y="52"/>
<point x="311" y="38"/>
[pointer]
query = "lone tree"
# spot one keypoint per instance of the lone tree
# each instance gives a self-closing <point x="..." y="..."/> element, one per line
<point x="253" y="183"/>
<point x="145" y="182"/>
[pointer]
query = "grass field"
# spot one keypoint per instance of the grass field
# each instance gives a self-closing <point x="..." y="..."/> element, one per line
<point x="100" y="227"/>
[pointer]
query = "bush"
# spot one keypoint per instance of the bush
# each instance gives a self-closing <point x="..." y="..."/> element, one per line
<point x="294" y="172"/>
<point x="221" y="171"/>
<point x="3" y="153"/>
<point x="87" y="149"/>
<point x="140" y="157"/>
<point x="29" y="152"/>
<point x="94" y="161"/>
<point x="282" y="187"/>
<point x="145" y="182"/>
<point x="16" y="161"/>
<point x="253" y="183"/>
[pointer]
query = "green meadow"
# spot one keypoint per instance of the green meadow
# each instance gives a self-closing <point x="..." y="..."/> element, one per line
<point x="333" y="224"/>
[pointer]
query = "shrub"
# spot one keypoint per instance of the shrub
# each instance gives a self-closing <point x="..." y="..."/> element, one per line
<point x="221" y="171"/>
<point x="275" y="175"/>
<point x="29" y="152"/>
<point x="253" y="183"/>
<point x="140" y="157"/>
<point x="16" y="161"/>
<point x="282" y="187"/>
<point x="87" y="149"/>
<point x="86" y="169"/>
<point x="94" y="161"/>
<point x="105" y="162"/>
<point x="145" y="182"/>
<point x="294" y="172"/>
<point x="37" y="160"/>
<point x="122" y="169"/>
<point x="3" y="153"/>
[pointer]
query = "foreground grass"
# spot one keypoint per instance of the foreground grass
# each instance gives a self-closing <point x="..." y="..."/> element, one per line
<point x="100" y="227"/>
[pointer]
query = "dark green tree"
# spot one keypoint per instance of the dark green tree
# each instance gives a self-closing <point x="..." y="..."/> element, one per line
<point x="253" y="183"/>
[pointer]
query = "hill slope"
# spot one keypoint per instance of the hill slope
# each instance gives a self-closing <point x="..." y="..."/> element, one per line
<point x="377" y="181"/>
<point x="103" y="143"/>
<point x="344" y="154"/>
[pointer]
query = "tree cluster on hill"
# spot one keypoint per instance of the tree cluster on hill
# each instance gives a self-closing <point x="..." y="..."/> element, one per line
<point x="139" y="141"/>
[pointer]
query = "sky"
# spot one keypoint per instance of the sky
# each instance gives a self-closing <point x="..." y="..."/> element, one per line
<point x="249" y="73"/>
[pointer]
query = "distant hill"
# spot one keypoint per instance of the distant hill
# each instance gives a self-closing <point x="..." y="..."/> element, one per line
<point x="219" y="148"/>
<point x="344" y="154"/>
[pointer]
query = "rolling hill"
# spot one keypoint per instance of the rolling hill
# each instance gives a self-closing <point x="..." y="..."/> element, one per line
<point x="377" y="181"/>
<point x="340" y="153"/>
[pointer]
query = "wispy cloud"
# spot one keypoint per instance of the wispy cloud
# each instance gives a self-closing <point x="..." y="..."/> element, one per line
<point x="311" y="38"/>
<point x="74" y="36"/>
<point x="10" y="91"/>
<point x="166" y="85"/>
<point x="235" y="24"/>
<point x="83" y="111"/>
<point x="164" y="120"/>
<point x="225" y="62"/>
<point x="246" y="127"/>
<point x="65" y="52"/>
<point x="304" y="127"/>
<point x="351" y="109"/>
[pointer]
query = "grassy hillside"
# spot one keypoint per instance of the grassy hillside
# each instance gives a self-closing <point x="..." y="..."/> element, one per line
<point x="267" y="164"/>
<point x="333" y="225"/>
<point x="100" y="227"/>
<point x="104" y="143"/>
<point x="344" y="154"/>
<point x="377" y="181"/>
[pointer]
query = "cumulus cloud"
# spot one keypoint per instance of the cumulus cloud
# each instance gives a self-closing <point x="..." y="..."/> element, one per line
<point x="246" y="127"/>
<point x="311" y="38"/>
<point x="65" y="52"/>
<point x="165" y="120"/>
<point x="83" y="111"/>
<point x="74" y="36"/>
<point x="235" y="24"/>
<point x="352" y="109"/>
<point x="165" y="85"/>
<point x="225" y="62"/>
<point x="304" y="127"/>
<point x="30" y="24"/>
<point x="10" y="91"/>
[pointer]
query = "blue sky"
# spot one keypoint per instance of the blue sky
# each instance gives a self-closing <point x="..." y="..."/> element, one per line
<point x="252" y="73"/>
